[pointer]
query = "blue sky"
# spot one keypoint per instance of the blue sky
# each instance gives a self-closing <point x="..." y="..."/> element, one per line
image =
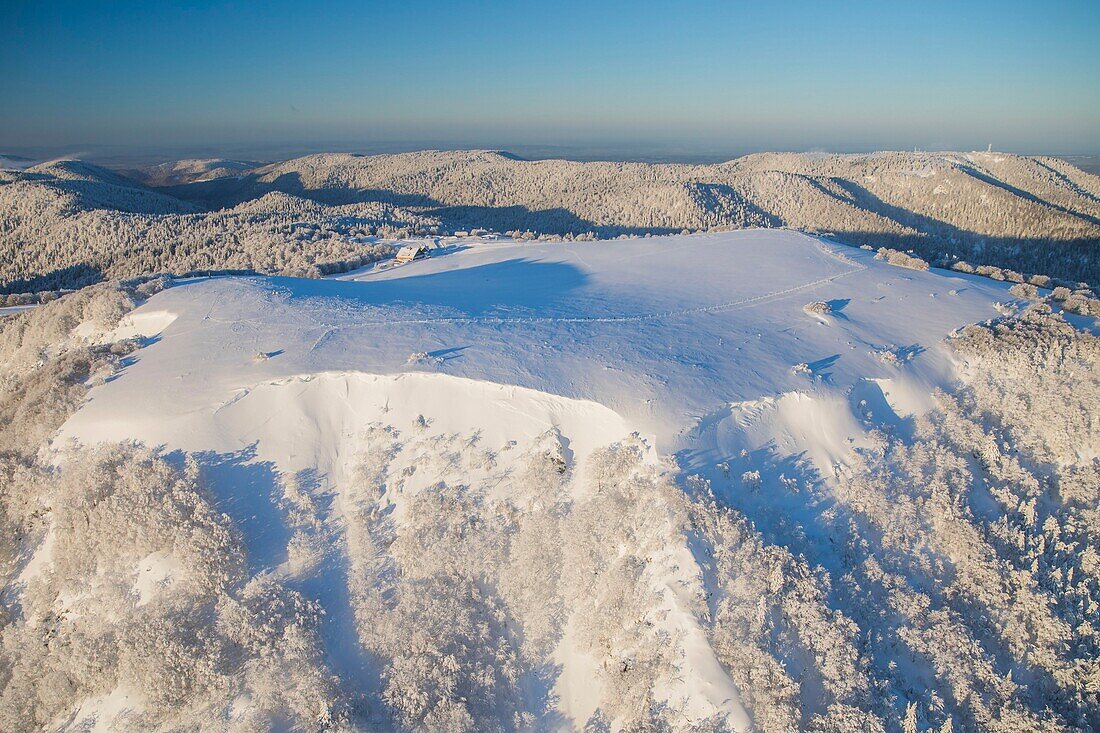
<point x="722" y="76"/>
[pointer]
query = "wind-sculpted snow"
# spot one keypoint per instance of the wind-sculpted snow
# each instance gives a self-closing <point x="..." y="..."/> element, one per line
<point x="551" y="487"/>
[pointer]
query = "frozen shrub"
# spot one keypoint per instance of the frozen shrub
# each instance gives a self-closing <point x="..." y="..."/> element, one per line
<point x="768" y="611"/>
<point x="125" y="347"/>
<point x="963" y="266"/>
<point x="819" y="308"/>
<point x="187" y="644"/>
<point x="45" y="367"/>
<point x="285" y="675"/>
<point x="1060" y="294"/>
<point x="110" y="510"/>
<point x="751" y="480"/>
<point x="452" y="667"/>
<point x="611" y="563"/>
<point x="1018" y="427"/>
<point x="118" y="504"/>
<point x="152" y="286"/>
<point x="901" y="259"/>
<point x="888" y="356"/>
<point x="530" y="581"/>
<point x="107" y="309"/>
<point x="449" y="663"/>
<point x="1024" y="290"/>
<point x="989" y="271"/>
<point x="423" y="358"/>
<point x="1082" y="305"/>
<point x="33" y="407"/>
<point x="139" y="567"/>
<point x="16" y="299"/>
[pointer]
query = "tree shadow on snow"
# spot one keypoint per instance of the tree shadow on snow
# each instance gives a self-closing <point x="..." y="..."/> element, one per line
<point x="557" y="220"/>
<point x="448" y="354"/>
<point x="70" y="277"/>
<point x="247" y="490"/>
<point x="513" y="288"/>
<point x="820" y="368"/>
<point x="837" y="306"/>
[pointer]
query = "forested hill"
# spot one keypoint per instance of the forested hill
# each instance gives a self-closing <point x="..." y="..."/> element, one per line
<point x="63" y="223"/>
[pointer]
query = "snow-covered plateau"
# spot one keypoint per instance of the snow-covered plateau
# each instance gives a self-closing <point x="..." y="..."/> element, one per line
<point x="750" y="480"/>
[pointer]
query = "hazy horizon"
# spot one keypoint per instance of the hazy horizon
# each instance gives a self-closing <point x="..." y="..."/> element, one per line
<point x="580" y="80"/>
<point x="135" y="157"/>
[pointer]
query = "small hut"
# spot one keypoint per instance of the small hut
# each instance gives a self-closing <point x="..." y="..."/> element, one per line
<point x="411" y="252"/>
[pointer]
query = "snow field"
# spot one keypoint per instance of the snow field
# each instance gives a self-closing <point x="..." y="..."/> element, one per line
<point x="636" y="484"/>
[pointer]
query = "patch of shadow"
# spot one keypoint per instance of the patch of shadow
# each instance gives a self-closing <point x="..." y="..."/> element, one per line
<point x="448" y="354"/>
<point x="820" y="367"/>
<point x="1027" y="195"/>
<point x="71" y="277"/>
<point x="907" y="353"/>
<point x="554" y="221"/>
<point x="247" y="490"/>
<point x="869" y="403"/>
<point x="1072" y="259"/>
<point x="229" y="192"/>
<point x="725" y="205"/>
<point x="513" y="289"/>
<point x="1066" y="181"/>
<point x="132" y="358"/>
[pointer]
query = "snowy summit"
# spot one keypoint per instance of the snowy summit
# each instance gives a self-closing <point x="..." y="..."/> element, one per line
<point x="519" y="367"/>
<point x="691" y="482"/>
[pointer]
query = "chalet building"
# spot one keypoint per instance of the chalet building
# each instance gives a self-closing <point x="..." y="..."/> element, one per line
<point x="411" y="252"/>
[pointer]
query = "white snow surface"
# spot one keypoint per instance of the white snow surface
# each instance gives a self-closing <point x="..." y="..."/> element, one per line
<point x="690" y="341"/>
<point x="663" y="331"/>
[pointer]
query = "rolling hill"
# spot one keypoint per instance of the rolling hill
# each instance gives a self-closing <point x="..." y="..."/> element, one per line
<point x="730" y="481"/>
<point x="67" y="223"/>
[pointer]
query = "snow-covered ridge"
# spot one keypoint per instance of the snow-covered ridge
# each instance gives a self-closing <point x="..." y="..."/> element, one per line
<point x="276" y="378"/>
<point x="143" y="325"/>
<point x="311" y="214"/>
<point x="641" y="343"/>
<point x="690" y="483"/>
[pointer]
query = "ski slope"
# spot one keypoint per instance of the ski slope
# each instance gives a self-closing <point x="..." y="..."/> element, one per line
<point x="696" y="348"/>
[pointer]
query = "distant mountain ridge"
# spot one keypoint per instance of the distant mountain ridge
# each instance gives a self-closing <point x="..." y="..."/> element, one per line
<point x="67" y="224"/>
<point x="999" y="206"/>
<point x="80" y="186"/>
<point x="189" y="171"/>
<point x="1033" y="214"/>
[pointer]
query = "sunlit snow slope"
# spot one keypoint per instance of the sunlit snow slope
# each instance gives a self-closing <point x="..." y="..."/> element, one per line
<point x="457" y="367"/>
